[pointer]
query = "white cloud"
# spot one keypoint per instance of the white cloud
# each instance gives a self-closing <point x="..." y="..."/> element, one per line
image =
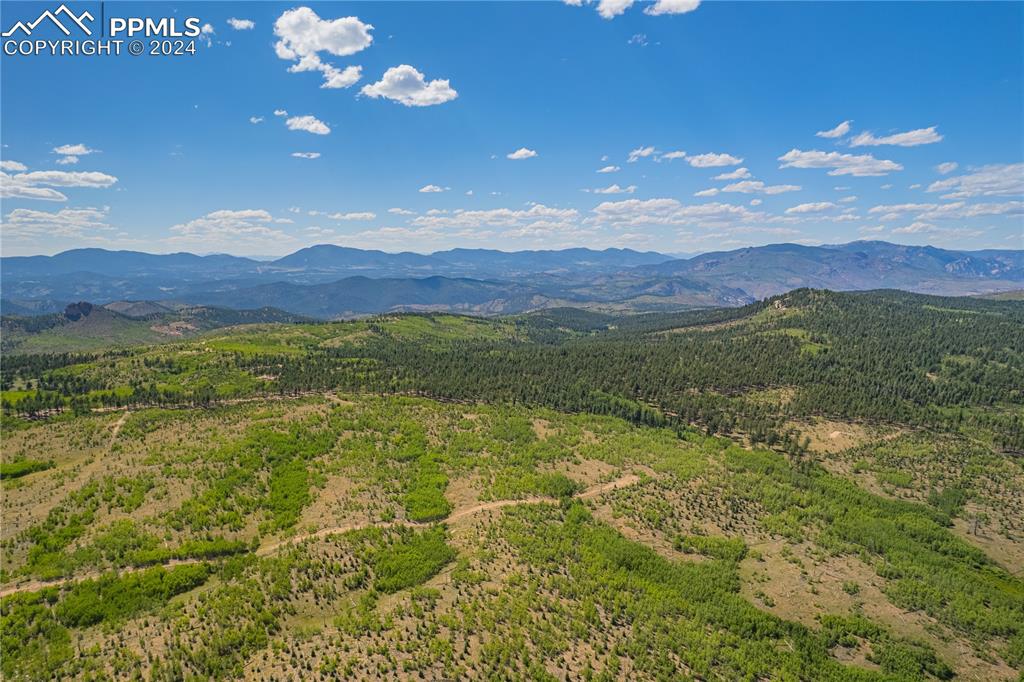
<point x="360" y="215"/>
<point x="303" y="35"/>
<point x="738" y="174"/>
<point x="712" y="160"/>
<point x="671" y="7"/>
<point x="428" y="189"/>
<point x="848" y="200"/>
<point x="204" y="35"/>
<point x="994" y="180"/>
<point x="310" y="124"/>
<point x="521" y="153"/>
<point x="606" y="169"/>
<point x="64" y="179"/>
<point x="756" y="202"/>
<point x="241" y="24"/>
<point x="401" y="211"/>
<point x="862" y="165"/>
<point x="408" y="86"/>
<point x="950" y="211"/>
<point x="672" y="156"/>
<point x="614" y="189"/>
<point x="280" y="112"/>
<point x="229" y="229"/>
<point x="306" y="155"/>
<point x="709" y="192"/>
<point x="814" y="207"/>
<point x="641" y="212"/>
<point x="536" y="218"/>
<point x="74" y="150"/>
<point x="914" y="228"/>
<point x="640" y="153"/>
<point x="609" y="9"/>
<point x="838" y="131"/>
<point x="638" y="39"/>
<point x="255" y="119"/>
<point x="758" y="187"/>
<point x="23" y="223"/>
<point x="947" y="167"/>
<point x="11" y="188"/>
<point x="12" y="166"/>
<point x="911" y="138"/>
<point x="334" y="78"/>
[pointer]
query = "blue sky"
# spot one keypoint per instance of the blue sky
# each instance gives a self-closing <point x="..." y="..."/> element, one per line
<point x="705" y="118"/>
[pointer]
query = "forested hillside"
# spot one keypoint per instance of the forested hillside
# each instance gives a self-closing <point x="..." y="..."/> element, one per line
<point x="817" y="486"/>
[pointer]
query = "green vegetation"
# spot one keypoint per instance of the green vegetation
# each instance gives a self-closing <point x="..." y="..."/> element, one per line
<point x="411" y="560"/>
<point x="23" y="467"/>
<point x="818" y="487"/>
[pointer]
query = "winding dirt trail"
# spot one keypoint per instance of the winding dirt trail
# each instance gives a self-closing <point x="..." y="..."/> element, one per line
<point x="264" y="550"/>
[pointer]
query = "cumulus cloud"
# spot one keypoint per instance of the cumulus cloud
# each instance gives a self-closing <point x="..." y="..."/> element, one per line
<point x="235" y="229"/>
<point x="401" y="211"/>
<point x="359" y="215"/>
<point x="429" y="189"/>
<point x="947" y="167"/>
<point x="640" y="153"/>
<point x="12" y="166"/>
<point x="70" y="153"/>
<point x="34" y="185"/>
<point x="255" y="119"/>
<point x="838" y="131"/>
<point x="606" y="169"/>
<point x="10" y="188"/>
<point x="521" y="153"/>
<point x="814" y="207"/>
<point x="303" y="35"/>
<point x="738" y="174"/>
<point x="987" y="181"/>
<point x="306" y="155"/>
<point x="911" y="138"/>
<point x="609" y="9"/>
<point x="23" y="223"/>
<point x="241" y="24"/>
<point x="406" y="85"/>
<point x="758" y="187"/>
<point x="862" y="165"/>
<point x="280" y="112"/>
<point x="712" y="160"/>
<point x="613" y="189"/>
<point x="74" y="150"/>
<point x="709" y="192"/>
<point x="310" y="124"/>
<point x="671" y="7"/>
<point x="536" y="218"/>
<point x="950" y="211"/>
<point x="640" y="212"/>
<point x="671" y="156"/>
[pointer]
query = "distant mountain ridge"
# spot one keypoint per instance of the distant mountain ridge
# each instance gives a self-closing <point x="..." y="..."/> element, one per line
<point x="329" y="281"/>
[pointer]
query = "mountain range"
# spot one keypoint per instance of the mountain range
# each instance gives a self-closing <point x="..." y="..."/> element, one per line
<point x="328" y="281"/>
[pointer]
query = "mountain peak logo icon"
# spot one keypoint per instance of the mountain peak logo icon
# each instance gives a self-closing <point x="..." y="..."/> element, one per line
<point x="77" y="20"/>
